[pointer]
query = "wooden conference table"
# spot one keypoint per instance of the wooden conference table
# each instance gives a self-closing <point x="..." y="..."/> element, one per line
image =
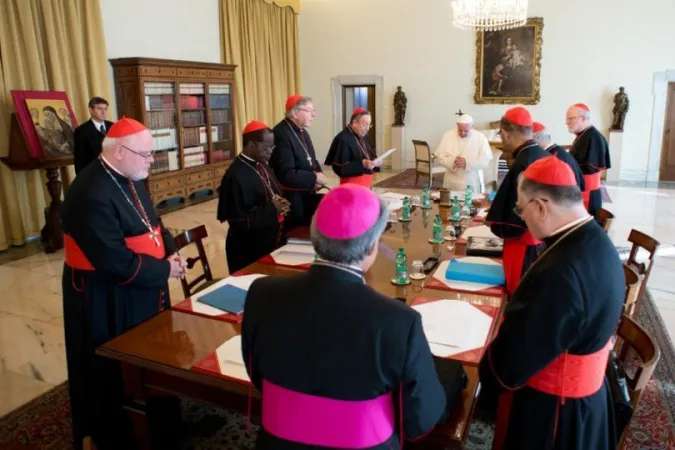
<point x="157" y="356"/>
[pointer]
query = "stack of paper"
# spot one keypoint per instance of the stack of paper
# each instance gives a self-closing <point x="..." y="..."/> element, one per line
<point x="230" y="359"/>
<point x="453" y="326"/>
<point x="228" y="295"/>
<point x="394" y="200"/>
<point x="479" y="231"/>
<point x="294" y="255"/>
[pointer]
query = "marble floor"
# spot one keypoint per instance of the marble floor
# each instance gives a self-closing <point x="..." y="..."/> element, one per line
<point x="32" y="352"/>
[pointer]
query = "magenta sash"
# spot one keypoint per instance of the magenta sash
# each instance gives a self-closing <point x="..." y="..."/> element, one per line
<point x="326" y="422"/>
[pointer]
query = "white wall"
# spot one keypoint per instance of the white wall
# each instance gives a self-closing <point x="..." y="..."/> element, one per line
<point x="167" y="29"/>
<point x="589" y="50"/>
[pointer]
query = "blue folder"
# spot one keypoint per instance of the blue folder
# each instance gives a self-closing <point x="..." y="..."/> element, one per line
<point x="475" y="273"/>
<point x="492" y="195"/>
<point x="227" y="298"/>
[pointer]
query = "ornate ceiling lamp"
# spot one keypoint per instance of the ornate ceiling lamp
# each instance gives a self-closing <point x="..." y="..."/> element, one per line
<point x="489" y="15"/>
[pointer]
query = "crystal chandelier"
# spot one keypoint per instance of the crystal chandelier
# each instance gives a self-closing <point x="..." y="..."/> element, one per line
<point x="489" y="15"/>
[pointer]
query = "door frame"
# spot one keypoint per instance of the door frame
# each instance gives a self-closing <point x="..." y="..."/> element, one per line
<point x="358" y="80"/>
<point x="670" y="98"/>
<point x="660" y="92"/>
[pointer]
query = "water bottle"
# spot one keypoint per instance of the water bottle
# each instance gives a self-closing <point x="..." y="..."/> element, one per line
<point x="455" y="209"/>
<point x="426" y="198"/>
<point x="405" y="211"/>
<point x="401" y="267"/>
<point x="438" y="229"/>
<point x="468" y="195"/>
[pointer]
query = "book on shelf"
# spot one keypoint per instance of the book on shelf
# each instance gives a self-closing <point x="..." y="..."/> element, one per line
<point x="163" y="139"/>
<point x="165" y="162"/>
<point x="194" y="118"/>
<point x="155" y="88"/>
<point x="195" y="160"/>
<point x="192" y="88"/>
<point x="219" y="116"/>
<point x="191" y="102"/>
<point x="221" y="155"/>
<point x="161" y="119"/>
<point x="159" y="102"/>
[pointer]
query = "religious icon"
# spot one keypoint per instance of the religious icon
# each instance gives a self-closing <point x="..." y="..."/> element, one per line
<point x="47" y="121"/>
<point x="508" y="65"/>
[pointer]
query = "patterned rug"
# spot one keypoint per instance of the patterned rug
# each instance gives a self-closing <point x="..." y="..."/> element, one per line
<point x="406" y="180"/>
<point x="44" y="423"/>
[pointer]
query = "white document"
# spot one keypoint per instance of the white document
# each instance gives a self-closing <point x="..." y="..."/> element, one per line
<point x="479" y="231"/>
<point x="294" y="255"/>
<point x="453" y="326"/>
<point x="230" y="359"/>
<point x="482" y="212"/>
<point x="394" y="196"/>
<point x="243" y="282"/>
<point x="381" y="158"/>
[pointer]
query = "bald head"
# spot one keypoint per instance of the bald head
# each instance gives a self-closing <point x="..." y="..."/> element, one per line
<point x="577" y="119"/>
<point x="130" y="155"/>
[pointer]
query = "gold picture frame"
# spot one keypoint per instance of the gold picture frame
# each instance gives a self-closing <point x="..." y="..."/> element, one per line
<point x="508" y="65"/>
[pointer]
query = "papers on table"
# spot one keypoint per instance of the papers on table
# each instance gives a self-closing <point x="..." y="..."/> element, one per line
<point x="394" y="200"/>
<point x="479" y="231"/>
<point x="384" y="155"/>
<point x="294" y="255"/>
<point x="453" y="326"/>
<point x="298" y="241"/>
<point x="230" y="359"/>
<point x="242" y="283"/>
<point x="482" y="213"/>
<point x="463" y="286"/>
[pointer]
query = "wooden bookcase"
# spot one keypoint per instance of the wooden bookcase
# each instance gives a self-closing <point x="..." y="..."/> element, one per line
<point x="189" y="107"/>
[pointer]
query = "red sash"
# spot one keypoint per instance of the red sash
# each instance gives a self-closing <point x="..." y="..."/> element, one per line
<point x="568" y="376"/>
<point x="142" y="244"/>
<point x="363" y="180"/>
<point x="592" y="183"/>
<point x="514" y="258"/>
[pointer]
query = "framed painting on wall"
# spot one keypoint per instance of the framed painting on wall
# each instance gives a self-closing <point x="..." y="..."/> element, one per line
<point x="47" y="122"/>
<point x="508" y="65"/>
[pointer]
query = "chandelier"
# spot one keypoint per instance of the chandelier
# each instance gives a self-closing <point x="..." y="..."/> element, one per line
<point x="489" y="15"/>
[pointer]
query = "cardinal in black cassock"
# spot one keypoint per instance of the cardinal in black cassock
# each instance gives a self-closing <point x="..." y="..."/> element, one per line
<point x="118" y="260"/>
<point x="294" y="161"/>
<point x="548" y="361"/>
<point x="520" y="247"/>
<point x="591" y="151"/>
<point x="336" y="362"/>
<point x="350" y="154"/>
<point x="250" y="201"/>
<point x="543" y="138"/>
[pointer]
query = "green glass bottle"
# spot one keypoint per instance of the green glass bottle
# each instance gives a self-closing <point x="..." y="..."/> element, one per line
<point x="401" y="267"/>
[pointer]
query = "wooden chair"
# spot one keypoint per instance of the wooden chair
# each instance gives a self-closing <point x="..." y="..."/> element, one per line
<point x="632" y="339"/>
<point x="424" y="164"/>
<point x="195" y="236"/>
<point x="605" y="219"/>
<point x="651" y="245"/>
<point x="632" y="290"/>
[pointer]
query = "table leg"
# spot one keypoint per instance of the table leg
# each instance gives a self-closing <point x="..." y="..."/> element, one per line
<point x="137" y="406"/>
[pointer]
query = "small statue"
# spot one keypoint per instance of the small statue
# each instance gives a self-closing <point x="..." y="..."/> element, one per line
<point x="621" y="104"/>
<point x="400" y="103"/>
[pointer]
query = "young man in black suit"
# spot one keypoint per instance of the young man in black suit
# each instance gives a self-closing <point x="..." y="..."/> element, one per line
<point x="89" y="135"/>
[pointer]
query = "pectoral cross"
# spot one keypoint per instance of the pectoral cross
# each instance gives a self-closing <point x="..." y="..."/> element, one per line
<point x="153" y="235"/>
<point x="309" y="160"/>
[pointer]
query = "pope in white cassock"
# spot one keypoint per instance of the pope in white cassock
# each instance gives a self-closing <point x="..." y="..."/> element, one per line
<point x="464" y="153"/>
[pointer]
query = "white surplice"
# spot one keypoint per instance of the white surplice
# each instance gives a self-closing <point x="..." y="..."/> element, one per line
<point x="475" y="149"/>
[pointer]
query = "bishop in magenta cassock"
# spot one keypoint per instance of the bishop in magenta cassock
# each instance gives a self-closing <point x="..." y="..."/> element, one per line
<point x="520" y="247"/>
<point x="547" y="364"/>
<point x="591" y="151"/>
<point x="350" y="154"/>
<point x="338" y="364"/>
<point x="118" y="260"/>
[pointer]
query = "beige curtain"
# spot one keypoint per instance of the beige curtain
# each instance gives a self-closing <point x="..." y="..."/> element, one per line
<point x="261" y="38"/>
<point x="44" y="45"/>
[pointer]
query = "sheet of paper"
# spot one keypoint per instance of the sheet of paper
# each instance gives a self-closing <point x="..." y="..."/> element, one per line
<point x="482" y="212"/>
<point x="479" y="231"/>
<point x="294" y="255"/>
<point x="394" y="196"/>
<point x="381" y="158"/>
<point x="453" y="326"/>
<point x="230" y="359"/>
<point x="439" y="274"/>
<point x="298" y="241"/>
<point x="394" y="205"/>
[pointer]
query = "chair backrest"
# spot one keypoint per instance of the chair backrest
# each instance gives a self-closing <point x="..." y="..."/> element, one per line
<point x="651" y="245"/>
<point x="422" y="152"/>
<point x="632" y="290"/>
<point x="491" y="172"/>
<point x="605" y="219"/>
<point x="194" y="236"/>
<point x="633" y="339"/>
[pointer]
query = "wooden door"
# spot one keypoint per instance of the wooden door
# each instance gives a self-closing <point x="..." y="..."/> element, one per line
<point x="667" y="170"/>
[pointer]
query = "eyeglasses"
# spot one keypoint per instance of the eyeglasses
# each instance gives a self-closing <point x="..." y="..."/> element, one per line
<point x="147" y="155"/>
<point x="570" y="119"/>
<point x="519" y="210"/>
<point x="311" y="111"/>
<point x="267" y="147"/>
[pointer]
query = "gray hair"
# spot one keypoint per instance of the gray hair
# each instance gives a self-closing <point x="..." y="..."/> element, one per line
<point x="542" y="135"/>
<point x="302" y="102"/>
<point x="109" y="143"/>
<point x="349" y="251"/>
<point x="565" y="196"/>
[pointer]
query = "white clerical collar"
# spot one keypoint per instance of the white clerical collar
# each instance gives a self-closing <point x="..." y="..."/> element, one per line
<point x="111" y="166"/>
<point x="570" y="225"/>
<point x="552" y="144"/>
<point x="351" y="268"/>
<point x="247" y="157"/>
